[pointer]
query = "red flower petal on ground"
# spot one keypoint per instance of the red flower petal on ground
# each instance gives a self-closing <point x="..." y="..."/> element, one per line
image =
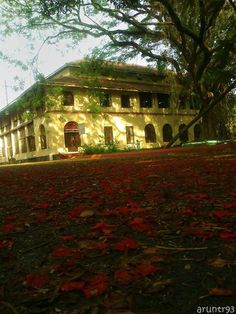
<point x="37" y="281"/>
<point x="42" y="206"/>
<point x="126" y="244"/>
<point x="101" y="225"/>
<point x="40" y="217"/>
<point x="124" y="275"/>
<point x="228" y="235"/>
<point x="221" y="213"/>
<point x="146" y="269"/>
<point x="139" y="224"/>
<point x="8" y="227"/>
<point x="72" y="285"/>
<point x="64" y="267"/>
<point x="76" y="211"/>
<point x="189" y="212"/>
<point x="96" y="286"/>
<point x="62" y="251"/>
<point x="99" y="246"/>
<point x="123" y="210"/>
<point x="199" y="232"/>
<point x="68" y="237"/>
<point x="228" y="205"/>
<point x="6" y="243"/>
<point x="221" y="292"/>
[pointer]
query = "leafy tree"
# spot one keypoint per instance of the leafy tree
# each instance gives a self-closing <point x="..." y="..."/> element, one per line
<point x="194" y="38"/>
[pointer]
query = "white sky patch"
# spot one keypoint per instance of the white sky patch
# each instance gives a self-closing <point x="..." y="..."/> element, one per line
<point x="50" y="58"/>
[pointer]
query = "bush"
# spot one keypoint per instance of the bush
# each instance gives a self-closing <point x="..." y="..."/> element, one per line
<point x="100" y="149"/>
<point x="95" y="149"/>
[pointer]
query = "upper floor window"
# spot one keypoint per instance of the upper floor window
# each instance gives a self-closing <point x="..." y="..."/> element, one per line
<point x="125" y="101"/>
<point x="163" y="100"/>
<point x="145" y="100"/>
<point x="68" y="98"/>
<point x="105" y="100"/>
<point x="31" y="137"/>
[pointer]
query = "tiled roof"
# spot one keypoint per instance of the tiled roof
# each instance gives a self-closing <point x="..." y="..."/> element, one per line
<point x="110" y="84"/>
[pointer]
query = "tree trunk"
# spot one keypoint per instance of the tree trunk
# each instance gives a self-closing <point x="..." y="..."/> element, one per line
<point x="202" y="113"/>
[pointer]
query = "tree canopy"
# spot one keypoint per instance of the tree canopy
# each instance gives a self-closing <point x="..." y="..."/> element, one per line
<point x="194" y="38"/>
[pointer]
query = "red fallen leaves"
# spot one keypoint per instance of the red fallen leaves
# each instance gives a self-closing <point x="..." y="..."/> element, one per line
<point x="230" y="205"/>
<point x="6" y="243"/>
<point x="96" y="286"/>
<point x="140" y="224"/>
<point x="68" y="237"/>
<point x="72" y="285"/>
<point x="76" y="211"/>
<point x="221" y="213"/>
<point x="42" y="206"/>
<point x="125" y="276"/>
<point x="146" y="269"/>
<point x="199" y="232"/>
<point x="62" y="251"/>
<point x="64" y="267"/>
<point x="8" y="227"/>
<point x="221" y="292"/>
<point x="101" y="226"/>
<point x="99" y="246"/>
<point x="37" y="281"/>
<point x="126" y="244"/>
<point x="189" y="212"/>
<point x="227" y="235"/>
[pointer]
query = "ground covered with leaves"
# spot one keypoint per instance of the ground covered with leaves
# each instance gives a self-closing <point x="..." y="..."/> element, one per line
<point x="139" y="234"/>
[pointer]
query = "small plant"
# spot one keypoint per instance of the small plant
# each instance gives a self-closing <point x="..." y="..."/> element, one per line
<point x="94" y="149"/>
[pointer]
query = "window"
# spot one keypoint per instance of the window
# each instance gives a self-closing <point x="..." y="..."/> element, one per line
<point x="2" y="148"/>
<point x="16" y="142"/>
<point x="163" y="100"/>
<point x="68" y="98"/>
<point x="125" y="101"/>
<point x="105" y="100"/>
<point x="184" y="136"/>
<point x="167" y="133"/>
<point x="145" y="100"/>
<point x="72" y="136"/>
<point x="31" y="137"/>
<point x="23" y="144"/>
<point x="197" y="132"/>
<point x="108" y="134"/>
<point x="182" y="102"/>
<point x="130" y="134"/>
<point x="40" y="109"/>
<point x="150" y="134"/>
<point x="43" y="140"/>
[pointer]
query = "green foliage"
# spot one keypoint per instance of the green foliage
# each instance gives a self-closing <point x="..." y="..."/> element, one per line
<point x="101" y="149"/>
<point x="94" y="149"/>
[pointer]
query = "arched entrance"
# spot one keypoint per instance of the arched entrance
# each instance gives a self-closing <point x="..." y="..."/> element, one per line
<point x="150" y="134"/>
<point x="167" y="133"/>
<point x="72" y="136"/>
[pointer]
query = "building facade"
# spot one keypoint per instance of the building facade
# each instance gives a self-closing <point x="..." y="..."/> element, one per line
<point x="126" y="105"/>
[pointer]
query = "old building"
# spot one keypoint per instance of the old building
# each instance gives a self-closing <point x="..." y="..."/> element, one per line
<point x="126" y="105"/>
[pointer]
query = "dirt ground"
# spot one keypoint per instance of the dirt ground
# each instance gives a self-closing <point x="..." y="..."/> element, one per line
<point x="138" y="233"/>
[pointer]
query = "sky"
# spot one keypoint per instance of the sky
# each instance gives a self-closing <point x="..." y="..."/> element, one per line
<point x="51" y="57"/>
